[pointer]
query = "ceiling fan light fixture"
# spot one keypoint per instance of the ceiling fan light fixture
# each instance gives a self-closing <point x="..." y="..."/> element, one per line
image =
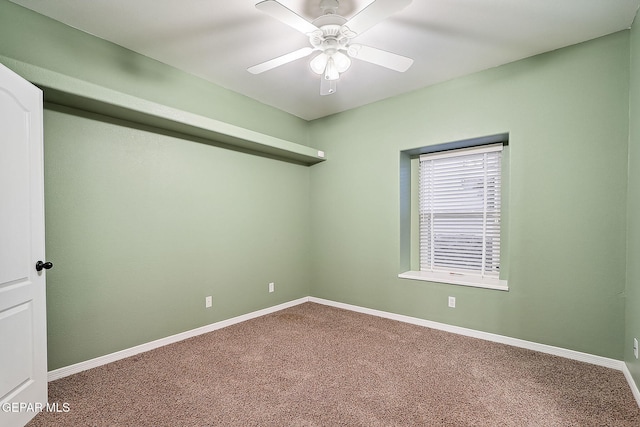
<point x="330" y="66"/>
<point x="319" y="63"/>
<point x="342" y="61"/>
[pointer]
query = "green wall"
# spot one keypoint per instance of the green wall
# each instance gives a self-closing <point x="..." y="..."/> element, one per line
<point x="633" y="214"/>
<point x="566" y="113"/>
<point x="143" y="224"/>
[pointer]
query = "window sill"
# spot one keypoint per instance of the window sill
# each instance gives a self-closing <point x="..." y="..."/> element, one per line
<point x="456" y="279"/>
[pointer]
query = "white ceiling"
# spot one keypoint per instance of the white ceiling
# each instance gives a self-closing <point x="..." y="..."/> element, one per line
<point x="218" y="39"/>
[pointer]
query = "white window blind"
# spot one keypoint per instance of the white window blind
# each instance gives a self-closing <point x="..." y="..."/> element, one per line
<point x="460" y="211"/>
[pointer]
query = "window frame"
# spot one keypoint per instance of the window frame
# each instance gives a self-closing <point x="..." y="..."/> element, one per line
<point x="409" y="213"/>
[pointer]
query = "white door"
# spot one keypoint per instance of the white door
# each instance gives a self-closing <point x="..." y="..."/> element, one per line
<point x="23" y="348"/>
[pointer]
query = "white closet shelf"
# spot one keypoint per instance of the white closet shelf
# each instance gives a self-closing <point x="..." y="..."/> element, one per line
<point x="68" y="91"/>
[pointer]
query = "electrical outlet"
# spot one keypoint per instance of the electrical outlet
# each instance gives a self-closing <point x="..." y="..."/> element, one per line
<point x="272" y="287"/>
<point x="452" y="302"/>
<point x="208" y="302"/>
<point x="635" y="347"/>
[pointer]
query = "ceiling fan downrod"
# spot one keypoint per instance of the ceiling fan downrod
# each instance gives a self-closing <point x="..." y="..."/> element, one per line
<point x="329" y="7"/>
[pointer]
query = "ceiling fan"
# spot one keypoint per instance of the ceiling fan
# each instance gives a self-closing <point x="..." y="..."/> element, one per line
<point x="331" y="35"/>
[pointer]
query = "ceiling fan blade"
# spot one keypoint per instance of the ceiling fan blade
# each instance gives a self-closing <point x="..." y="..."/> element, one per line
<point x="280" y="60"/>
<point x="286" y="15"/>
<point x="374" y="13"/>
<point x="380" y="57"/>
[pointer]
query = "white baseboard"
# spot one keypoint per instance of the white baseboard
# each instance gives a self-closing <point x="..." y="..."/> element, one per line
<point x="632" y="383"/>
<point x="543" y="348"/>
<point x="557" y="351"/>
<point x="103" y="360"/>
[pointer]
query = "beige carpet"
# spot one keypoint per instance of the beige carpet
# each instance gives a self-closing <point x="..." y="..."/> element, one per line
<point x="313" y="365"/>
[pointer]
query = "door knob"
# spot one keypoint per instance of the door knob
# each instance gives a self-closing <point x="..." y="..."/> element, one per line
<point x="43" y="265"/>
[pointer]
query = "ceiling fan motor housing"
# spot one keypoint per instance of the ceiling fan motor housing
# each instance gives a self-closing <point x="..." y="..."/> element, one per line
<point x="329" y="36"/>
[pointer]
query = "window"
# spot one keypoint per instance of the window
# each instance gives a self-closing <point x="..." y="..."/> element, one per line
<point x="459" y="216"/>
